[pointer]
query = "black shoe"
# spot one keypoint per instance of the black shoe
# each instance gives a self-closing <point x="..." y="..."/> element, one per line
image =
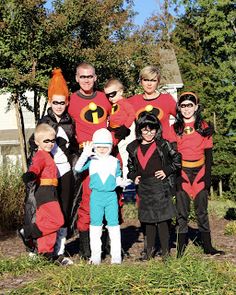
<point x="62" y="260"/>
<point x="28" y="242"/>
<point x="147" y="255"/>
<point x="214" y="251"/>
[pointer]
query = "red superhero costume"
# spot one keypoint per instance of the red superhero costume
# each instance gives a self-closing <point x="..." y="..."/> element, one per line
<point x="162" y="106"/>
<point x="192" y="147"/>
<point x="49" y="217"/>
<point x="90" y="114"/>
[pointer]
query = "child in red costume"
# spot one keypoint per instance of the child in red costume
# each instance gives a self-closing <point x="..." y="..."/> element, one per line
<point x="120" y="120"/>
<point x="122" y="113"/>
<point x="160" y="104"/>
<point x="89" y="109"/>
<point x="48" y="217"/>
<point x="194" y="141"/>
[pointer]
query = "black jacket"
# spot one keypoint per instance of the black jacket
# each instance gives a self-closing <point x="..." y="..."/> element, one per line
<point x="171" y="160"/>
<point x="67" y="123"/>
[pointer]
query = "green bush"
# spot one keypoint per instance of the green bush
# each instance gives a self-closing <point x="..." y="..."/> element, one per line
<point x="11" y="197"/>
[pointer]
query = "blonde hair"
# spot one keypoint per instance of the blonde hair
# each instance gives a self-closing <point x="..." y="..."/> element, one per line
<point x="43" y="130"/>
<point x="150" y="72"/>
<point x="114" y="82"/>
<point x="84" y="65"/>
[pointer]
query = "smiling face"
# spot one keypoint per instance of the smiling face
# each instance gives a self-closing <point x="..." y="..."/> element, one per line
<point x="148" y="134"/>
<point x="58" y="104"/>
<point x="188" y="109"/>
<point x="86" y="78"/>
<point x="45" y="141"/>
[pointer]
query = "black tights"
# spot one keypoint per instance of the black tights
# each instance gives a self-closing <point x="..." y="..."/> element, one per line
<point x="164" y="235"/>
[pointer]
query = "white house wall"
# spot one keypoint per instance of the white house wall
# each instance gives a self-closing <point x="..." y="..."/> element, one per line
<point x="8" y="117"/>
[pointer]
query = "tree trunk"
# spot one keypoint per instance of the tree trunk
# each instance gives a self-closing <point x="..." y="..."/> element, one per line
<point x="20" y="133"/>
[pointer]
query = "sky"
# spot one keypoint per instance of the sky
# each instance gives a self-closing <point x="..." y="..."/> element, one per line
<point x="145" y="9"/>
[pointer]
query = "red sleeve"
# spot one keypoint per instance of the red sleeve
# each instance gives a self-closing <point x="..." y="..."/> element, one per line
<point x="38" y="164"/>
<point x="172" y="137"/>
<point x="172" y="106"/>
<point x="129" y="110"/>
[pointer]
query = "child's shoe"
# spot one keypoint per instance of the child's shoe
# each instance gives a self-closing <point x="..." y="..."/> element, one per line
<point x="28" y="242"/>
<point x="62" y="260"/>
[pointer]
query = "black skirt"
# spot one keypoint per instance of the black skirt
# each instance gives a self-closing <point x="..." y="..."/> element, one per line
<point x="156" y="203"/>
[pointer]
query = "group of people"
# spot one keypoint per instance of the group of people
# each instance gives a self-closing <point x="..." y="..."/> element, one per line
<point x="93" y="143"/>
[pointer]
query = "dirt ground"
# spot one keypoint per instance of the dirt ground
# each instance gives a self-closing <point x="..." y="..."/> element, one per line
<point x="132" y="242"/>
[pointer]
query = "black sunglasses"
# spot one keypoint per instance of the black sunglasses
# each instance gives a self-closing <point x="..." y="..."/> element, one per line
<point x="149" y="80"/>
<point x="49" y="140"/>
<point x="62" y="103"/>
<point x="111" y="94"/>
<point x="86" y="77"/>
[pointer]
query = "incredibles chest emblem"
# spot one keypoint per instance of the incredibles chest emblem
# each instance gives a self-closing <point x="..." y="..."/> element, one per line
<point x="93" y="114"/>
<point x="115" y="108"/>
<point x="158" y="112"/>
<point x="188" y="130"/>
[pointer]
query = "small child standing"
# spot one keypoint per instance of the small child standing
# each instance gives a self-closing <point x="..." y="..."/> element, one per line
<point x="152" y="163"/>
<point x="105" y="176"/>
<point x="122" y="113"/>
<point x="121" y="117"/>
<point x="194" y="141"/>
<point x="48" y="218"/>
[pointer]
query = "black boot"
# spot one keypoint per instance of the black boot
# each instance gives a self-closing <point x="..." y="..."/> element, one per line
<point x="28" y="242"/>
<point x="207" y="246"/>
<point x="181" y="244"/>
<point x="84" y="245"/>
<point x="149" y="254"/>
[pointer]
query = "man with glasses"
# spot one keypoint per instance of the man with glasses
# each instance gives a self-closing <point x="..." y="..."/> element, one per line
<point x="89" y="109"/>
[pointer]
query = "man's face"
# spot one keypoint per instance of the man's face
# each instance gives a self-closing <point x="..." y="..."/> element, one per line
<point x="86" y="78"/>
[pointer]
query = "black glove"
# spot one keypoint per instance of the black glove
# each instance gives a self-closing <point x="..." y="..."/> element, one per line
<point x="61" y="141"/>
<point x="121" y="132"/>
<point x="208" y="131"/>
<point x="28" y="177"/>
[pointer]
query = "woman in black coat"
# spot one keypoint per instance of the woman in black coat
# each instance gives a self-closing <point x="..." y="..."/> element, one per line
<point x="152" y="164"/>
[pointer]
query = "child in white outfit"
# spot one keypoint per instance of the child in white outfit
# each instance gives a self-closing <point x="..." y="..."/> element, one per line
<point x="105" y="176"/>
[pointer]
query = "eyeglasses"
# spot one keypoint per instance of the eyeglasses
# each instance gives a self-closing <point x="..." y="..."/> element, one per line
<point x="146" y="132"/>
<point x="150" y="80"/>
<point x="86" y="77"/>
<point x="62" y="103"/>
<point x="49" y="140"/>
<point x="111" y="94"/>
<point x="187" y="105"/>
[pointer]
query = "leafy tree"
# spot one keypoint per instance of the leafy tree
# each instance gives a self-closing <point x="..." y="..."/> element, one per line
<point x="206" y="50"/>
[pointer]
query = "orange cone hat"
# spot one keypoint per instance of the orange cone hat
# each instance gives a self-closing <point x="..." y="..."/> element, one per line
<point x="57" y="85"/>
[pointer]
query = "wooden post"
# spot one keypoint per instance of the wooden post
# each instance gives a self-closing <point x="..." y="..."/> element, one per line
<point x="20" y="134"/>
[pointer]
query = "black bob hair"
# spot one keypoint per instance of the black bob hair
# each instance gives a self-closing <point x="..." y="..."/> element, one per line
<point x="147" y="119"/>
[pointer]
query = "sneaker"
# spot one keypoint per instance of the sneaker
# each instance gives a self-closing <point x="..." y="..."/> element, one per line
<point x="62" y="260"/>
<point x="29" y="243"/>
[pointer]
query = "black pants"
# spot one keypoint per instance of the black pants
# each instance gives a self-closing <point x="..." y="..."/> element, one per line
<point x="200" y="207"/>
<point x="164" y="236"/>
<point x="65" y="195"/>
